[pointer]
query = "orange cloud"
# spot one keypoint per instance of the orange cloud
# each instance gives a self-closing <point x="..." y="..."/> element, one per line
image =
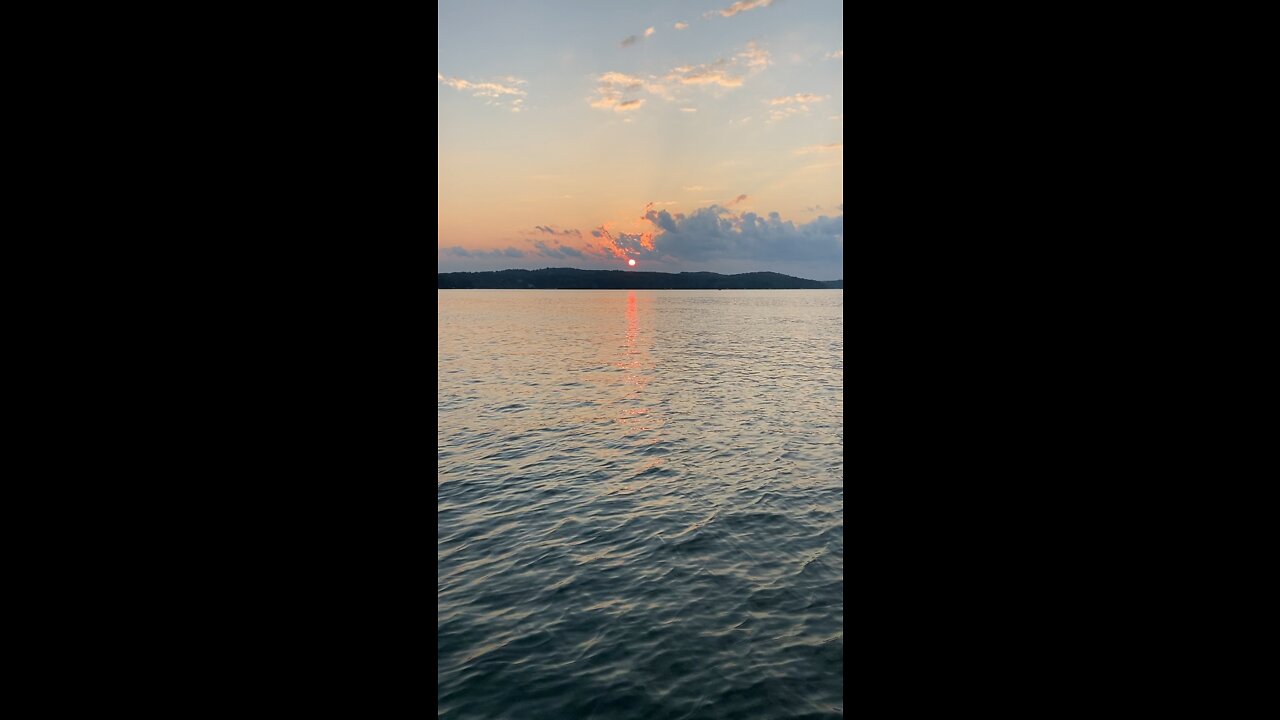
<point x="743" y="6"/>
<point x="797" y="98"/>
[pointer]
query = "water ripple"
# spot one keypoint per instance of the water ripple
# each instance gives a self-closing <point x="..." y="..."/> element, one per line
<point x="641" y="505"/>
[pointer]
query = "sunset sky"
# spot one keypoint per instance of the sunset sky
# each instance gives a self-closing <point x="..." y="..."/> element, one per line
<point x="689" y="135"/>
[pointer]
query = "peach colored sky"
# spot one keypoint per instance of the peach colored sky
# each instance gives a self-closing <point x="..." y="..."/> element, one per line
<point x="687" y="136"/>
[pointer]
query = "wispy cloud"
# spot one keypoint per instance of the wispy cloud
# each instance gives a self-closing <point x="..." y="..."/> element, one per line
<point x="725" y="72"/>
<point x="506" y="87"/>
<point x="838" y="54"/>
<point x="800" y="98"/>
<point x="694" y="188"/>
<point x="743" y="6"/>
<point x="681" y="25"/>
<point x="754" y="57"/>
<point x="728" y="72"/>
<point x="736" y="200"/>
<point x="550" y="230"/>
<point x="717" y="73"/>
<point x="689" y="110"/>
<point x="811" y="149"/>
<point x="630" y="40"/>
<point x="788" y="105"/>
<point x="611" y="88"/>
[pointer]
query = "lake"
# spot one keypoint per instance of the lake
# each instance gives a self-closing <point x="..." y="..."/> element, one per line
<point x="641" y="503"/>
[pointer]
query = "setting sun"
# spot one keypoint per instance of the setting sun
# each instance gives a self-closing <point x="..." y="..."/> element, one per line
<point x="632" y="262"/>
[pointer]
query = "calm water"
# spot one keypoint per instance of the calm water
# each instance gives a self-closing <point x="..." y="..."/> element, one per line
<point x="641" y="511"/>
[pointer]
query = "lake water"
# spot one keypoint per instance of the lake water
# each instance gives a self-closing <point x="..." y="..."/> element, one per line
<point x="641" y="504"/>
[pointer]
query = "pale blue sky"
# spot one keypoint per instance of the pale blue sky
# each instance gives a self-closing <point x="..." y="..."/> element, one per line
<point x="556" y="132"/>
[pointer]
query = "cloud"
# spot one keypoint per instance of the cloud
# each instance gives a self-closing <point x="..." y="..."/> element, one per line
<point x="550" y="230"/>
<point x="717" y="233"/>
<point x="718" y="73"/>
<point x="833" y="147"/>
<point x="788" y="105"/>
<point x="838" y="54"/>
<point x="754" y="57"/>
<point x="612" y="86"/>
<point x="547" y="251"/>
<point x="500" y="88"/>
<point x="463" y="252"/>
<point x="694" y="188"/>
<point x="558" y="251"/>
<point x="800" y="98"/>
<point x="485" y="89"/>
<point x="736" y="200"/>
<point x="620" y="246"/>
<point x="725" y="72"/>
<point x="728" y="72"/>
<point x="630" y="40"/>
<point x="714" y="237"/>
<point x="681" y="25"/>
<point x="688" y="109"/>
<point x="743" y="6"/>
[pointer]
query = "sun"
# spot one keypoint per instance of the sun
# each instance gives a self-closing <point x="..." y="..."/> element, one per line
<point x="632" y="262"/>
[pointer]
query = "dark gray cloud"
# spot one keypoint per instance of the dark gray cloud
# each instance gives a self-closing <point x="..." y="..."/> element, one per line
<point x="629" y="41"/>
<point x="555" y="249"/>
<point x="463" y="252"/>
<point x="548" y="251"/>
<point x="736" y="200"/>
<point x="550" y="230"/>
<point x="717" y="233"/>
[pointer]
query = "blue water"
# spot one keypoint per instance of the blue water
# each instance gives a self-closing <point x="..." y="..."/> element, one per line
<point x="641" y="510"/>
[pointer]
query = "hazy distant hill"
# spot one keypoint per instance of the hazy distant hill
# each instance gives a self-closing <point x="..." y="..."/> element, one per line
<point x="571" y="279"/>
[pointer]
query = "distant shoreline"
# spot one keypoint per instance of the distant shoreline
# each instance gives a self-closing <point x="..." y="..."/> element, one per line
<point x="574" y="279"/>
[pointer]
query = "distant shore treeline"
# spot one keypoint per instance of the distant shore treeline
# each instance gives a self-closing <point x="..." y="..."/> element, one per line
<point x="571" y="279"/>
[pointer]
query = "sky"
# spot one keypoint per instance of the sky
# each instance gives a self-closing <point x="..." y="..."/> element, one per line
<point x="691" y="135"/>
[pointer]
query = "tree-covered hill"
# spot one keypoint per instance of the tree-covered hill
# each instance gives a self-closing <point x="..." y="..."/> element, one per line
<point x="573" y="279"/>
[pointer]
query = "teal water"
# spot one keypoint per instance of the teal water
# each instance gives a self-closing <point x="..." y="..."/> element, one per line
<point x="641" y="506"/>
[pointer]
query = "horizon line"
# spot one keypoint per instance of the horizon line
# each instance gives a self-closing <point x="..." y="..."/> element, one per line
<point x="651" y="272"/>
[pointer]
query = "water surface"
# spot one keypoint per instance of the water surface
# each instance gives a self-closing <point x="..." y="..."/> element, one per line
<point x="641" y="511"/>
